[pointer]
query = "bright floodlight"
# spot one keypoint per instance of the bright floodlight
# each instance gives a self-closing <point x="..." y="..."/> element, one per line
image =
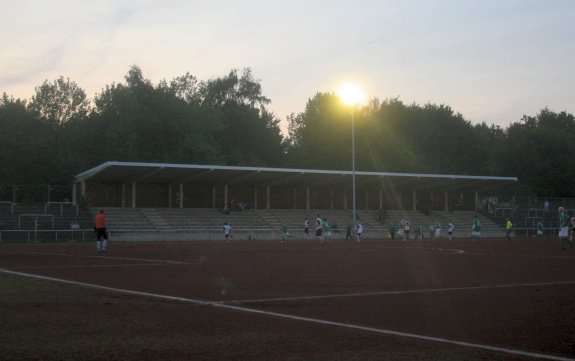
<point x="350" y="94"/>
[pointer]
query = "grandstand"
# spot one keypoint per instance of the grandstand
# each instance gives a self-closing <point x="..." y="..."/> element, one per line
<point x="187" y="201"/>
<point x="182" y="201"/>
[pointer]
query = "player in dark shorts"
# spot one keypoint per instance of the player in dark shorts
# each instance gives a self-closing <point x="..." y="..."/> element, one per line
<point x="101" y="233"/>
<point x="306" y="227"/>
<point x="318" y="227"/>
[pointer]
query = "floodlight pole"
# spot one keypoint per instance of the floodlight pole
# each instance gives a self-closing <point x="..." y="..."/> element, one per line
<point x="354" y="211"/>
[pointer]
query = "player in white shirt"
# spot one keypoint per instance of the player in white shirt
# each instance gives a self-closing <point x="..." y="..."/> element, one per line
<point x="450" y="229"/>
<point x="306" y="228"/>
<point x="227" y="231"/>
<point x="437" y="231"/>
<point x="406" y="229"/>
<point x="358" y="231"/>
<point x="319" y="228"/>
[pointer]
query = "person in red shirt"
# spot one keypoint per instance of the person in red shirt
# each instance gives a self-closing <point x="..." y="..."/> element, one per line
<point x="101" y="233"/>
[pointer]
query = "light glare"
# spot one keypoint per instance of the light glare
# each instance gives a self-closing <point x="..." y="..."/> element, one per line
<point x="351" y="94"/>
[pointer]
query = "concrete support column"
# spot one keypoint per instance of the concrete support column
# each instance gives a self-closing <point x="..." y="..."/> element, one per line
<point x="170" y="195"/>
<point x="268" y="195"/>
<point x="295" y="198"/>
<point x="380" y="198"/>
<point x="74" y="199"/>
<point x="82" y="189"/>
<point x="414" y="200"/>
<point x="476" y="200"/>
<point x="226" y="196"/>
<point x="307" y="202"/>
<point x="331" y="195"/>
<point x="446" y="201"/>
<point x="181" y="205"/>
<point x="255" y="197"/>
<point x="134" y="192"/>
<point x="123" y="196"/>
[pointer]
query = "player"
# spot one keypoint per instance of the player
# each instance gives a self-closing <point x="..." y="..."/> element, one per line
<point x="392" y="231"/>
<point x="539" y="229"/>
<point x="431" y="231"/>
<point x="406" y="229"/>
<point x="508" y="229"/>
<point x="306" y="228"/>
<point x="564" y="228"/>
<point x="450" y="229"/>
<point x="419" y="233"/>
<point x="319" y="228"/>
<point x="437" y="234"/>
<point x="101" y="233"/>
<point x="326" y="229"/>
<point x="285" y="234"/>
<point x="348" y="236"/>
<point x="476" y="228"/>
<point x="227" y="231"/>
<point x="358" y="232"/>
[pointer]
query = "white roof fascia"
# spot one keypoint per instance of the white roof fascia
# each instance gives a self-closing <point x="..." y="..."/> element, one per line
<point x="93" y="171"/>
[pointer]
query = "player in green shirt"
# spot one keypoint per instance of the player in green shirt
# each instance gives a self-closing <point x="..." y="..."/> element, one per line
<point x="539" y="229"/>
<point x="508" y="229"/>
<point x="476" y="228"/>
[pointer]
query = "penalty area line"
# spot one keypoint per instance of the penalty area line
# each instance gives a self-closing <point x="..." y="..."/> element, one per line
<point x="381" y="331"/>
<point x="397" y="292"/>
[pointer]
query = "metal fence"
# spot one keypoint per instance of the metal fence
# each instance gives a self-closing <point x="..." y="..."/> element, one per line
<point x="70" y="235"/>
<point x="36" y="193"/>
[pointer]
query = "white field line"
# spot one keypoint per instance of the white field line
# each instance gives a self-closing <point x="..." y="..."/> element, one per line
<point x="398" y="292"/>
<point x="153" y="260"/>
<point x="164" y="261"/>
<point x="381" y="331"/>
<point x="91" y="266"/>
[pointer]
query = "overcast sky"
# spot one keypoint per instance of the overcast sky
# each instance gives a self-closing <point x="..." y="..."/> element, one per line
<point x="491" y="60"/>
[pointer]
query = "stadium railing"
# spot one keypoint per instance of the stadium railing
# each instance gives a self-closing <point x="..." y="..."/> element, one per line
<point x="61" y="206"/>
<point x="50" y="235"/>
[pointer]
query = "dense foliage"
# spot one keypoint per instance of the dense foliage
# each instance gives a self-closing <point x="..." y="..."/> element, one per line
<point x="60" y="132"/>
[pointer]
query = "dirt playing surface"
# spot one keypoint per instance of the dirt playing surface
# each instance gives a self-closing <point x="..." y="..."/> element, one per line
<point x="516" y="295"/>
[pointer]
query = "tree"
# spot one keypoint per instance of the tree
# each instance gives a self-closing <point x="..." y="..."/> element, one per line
<point x="26" y="154"/>
<point x="60" y="101"/>
<point x="540" y="150"/>
<point x="233" y="88"/>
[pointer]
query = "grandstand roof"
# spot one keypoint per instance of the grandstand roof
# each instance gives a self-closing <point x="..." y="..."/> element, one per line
<point x="128" y="172"/>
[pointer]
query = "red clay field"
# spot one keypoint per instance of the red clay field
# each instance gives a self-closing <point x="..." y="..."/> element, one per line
<point x="262" y="300"/>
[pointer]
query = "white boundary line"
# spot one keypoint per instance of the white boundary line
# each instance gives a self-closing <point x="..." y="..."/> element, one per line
<point x="162" y="261"/>
<point x="398" y="292"/>
<point x="151" y="260"/>
<point x="90" y="266"/>
<point x="381" y="331"/>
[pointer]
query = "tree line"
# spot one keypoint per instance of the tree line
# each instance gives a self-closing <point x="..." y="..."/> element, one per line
<point x="60" y="132"/>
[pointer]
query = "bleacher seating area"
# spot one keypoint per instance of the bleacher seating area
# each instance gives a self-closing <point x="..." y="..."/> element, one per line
<point x="208" y="222"/>
<point x="201" y="222"/>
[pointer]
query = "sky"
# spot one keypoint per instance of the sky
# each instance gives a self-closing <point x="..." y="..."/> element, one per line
<point x="490" y="60"/>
